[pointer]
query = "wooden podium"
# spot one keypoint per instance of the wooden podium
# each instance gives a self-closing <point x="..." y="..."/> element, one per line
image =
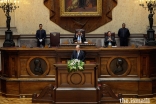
<point x="74" y="87"/>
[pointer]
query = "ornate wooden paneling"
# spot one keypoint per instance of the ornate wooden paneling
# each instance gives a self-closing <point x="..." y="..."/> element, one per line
<point x="107" y="95"/>
<point x="145" y="87"/>
<point x="27" y="65"/>
<point x="109" y="65"/>
<point x="0" y="88"/>
<point x="13" y="66"/>
<point x="134" y="87"/>
<point x="12" y="88"/>
<point x="134" y="66"/>
<point x="23" y="67"/>
<point x="144" y="65"/>
<point x="152" y="64"/>
<point x="85" y="78"/>
<point x="77" y="95"/>
<point x="103" y="63"/>
<point x="78" y="86"/>
<point x="18" y="65"/>
<point x="5" y="64"/>
<point x="52" y="61"/>
<point x="154" y="86"/>
<point x="30" y="87"/>
<point x="124" y="87"/>
<point x="38" y="66"/>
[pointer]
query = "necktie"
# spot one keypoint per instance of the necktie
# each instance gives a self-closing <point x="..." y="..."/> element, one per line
<point x="77" y="55"/>
<point x="78" y="38"/>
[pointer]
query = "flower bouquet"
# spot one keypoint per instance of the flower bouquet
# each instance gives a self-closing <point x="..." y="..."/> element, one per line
<point x="75" y="65"/>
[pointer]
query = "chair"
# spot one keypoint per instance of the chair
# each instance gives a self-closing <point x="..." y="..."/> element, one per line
<point x="54" y="39"/>
<point x="83" y="32"/>
<point x="113" y="34"/>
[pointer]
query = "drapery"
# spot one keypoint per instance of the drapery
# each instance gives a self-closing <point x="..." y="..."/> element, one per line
<point x="87" y="23"/>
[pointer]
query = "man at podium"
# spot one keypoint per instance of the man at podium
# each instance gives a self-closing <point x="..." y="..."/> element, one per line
<point x="79" y="37"/>
<point x="78" y="54"/>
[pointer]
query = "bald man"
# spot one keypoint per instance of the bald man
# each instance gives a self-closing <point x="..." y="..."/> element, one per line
<point x="78" y="54"/>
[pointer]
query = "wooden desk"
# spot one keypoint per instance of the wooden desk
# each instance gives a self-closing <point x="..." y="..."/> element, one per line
<point x="79" y="86"/>
<point x="82" y="45"/>
<point x="138" y="77"/>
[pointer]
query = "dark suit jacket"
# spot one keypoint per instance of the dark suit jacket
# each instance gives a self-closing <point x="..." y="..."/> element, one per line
<point x="113" y="42"/>
<point x="123" y="33"/>
<point x="82" y="38"/>
<point x="41" y="34"/>
<point x="80" y="57"/>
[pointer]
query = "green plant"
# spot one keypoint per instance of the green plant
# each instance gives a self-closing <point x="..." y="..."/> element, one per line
<point x="75" y="65"/>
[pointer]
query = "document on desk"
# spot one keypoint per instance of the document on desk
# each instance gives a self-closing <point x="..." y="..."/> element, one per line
<point x="85" y="42"/>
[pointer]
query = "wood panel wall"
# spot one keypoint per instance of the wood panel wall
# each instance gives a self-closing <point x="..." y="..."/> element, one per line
<point x="139" y="78"/>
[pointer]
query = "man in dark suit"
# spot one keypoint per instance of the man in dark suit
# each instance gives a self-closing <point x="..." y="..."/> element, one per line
<point x="78" y="54"/>
<point x="79" y="37"/>
<point x="40" y="35"/>
<point x="123" y="34"/>
<point x="110" y="39"/>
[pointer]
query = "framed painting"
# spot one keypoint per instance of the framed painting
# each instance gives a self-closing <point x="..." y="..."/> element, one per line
<point x="80" y="8"/>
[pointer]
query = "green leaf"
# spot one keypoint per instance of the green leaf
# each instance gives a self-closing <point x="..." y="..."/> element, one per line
<point x="75" y="65"/>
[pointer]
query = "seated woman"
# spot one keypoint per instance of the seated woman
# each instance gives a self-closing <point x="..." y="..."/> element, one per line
<point x="109" y="38"/>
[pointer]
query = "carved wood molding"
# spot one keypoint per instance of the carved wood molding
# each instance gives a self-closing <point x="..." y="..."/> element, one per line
<point x="31" y="65"/>
<point x="87" y="23"/>
<point x="107" y="95"/>
<point x="126" y="68"/>
<point x="46" y="95"/>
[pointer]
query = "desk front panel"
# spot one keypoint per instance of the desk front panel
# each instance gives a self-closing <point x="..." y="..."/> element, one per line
<point x="19" y="65"/>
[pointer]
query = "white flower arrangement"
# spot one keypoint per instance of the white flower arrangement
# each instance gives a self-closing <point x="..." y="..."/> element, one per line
<point x="75" y="65"/>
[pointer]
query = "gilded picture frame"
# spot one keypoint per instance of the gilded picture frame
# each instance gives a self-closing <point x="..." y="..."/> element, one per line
<point x="80" y="8"/>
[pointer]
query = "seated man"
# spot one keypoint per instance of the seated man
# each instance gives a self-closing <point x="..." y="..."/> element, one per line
<point x="110" y="39"/>
<point x="79" y="37"/>
<point x="78" y="54"/>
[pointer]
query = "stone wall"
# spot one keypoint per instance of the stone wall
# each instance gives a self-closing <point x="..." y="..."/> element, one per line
<point x="33" y="12"/>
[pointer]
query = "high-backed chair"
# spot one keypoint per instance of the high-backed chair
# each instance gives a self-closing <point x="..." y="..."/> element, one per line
<point x="113" y="34"/>
<point x="54" y="39"/>
<point x="83" y="32"/>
